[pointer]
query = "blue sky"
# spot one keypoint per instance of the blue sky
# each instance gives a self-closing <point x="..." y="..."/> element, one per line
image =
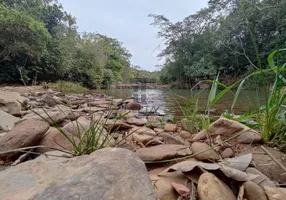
<point x="127" y="21"/>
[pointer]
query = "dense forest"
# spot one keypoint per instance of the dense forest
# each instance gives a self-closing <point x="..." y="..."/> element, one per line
<point x="39" y="42"/>
<point x="229" y="37"/>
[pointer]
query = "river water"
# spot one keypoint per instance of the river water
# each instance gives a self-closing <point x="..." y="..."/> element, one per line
<point x="171" y="100"/>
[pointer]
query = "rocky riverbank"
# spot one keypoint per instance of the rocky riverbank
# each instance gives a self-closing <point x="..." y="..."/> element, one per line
<point x="226" y="162"/>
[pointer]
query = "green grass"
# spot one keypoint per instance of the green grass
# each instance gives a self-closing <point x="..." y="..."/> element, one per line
<point x="68" y="87"/>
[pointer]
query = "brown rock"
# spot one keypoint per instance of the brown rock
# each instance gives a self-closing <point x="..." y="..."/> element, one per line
<point x="133" y="106"/>
<point x="25" y="134"/>
<point x="249" y="137"/>
<point x="136" y="121"/>
<point x="54" y="139"/>
<point x="252" y="191"/>
<point x="222" y="126"/>
<point x="142" y="134"/>
<point x="275" y="193"/>
<point x="207" y="155"/>
<point x="169" y="139"/>
<point x="211" y="188"/>
<point x="186" y="125"/>
<point x="154" y="118"/>
<point x="7" y="121"/>
<point x="185" y="135"/>
<point x="261" y="180"/>
<point x="266" y="165"/>
<point x="10" y="102"/>
<point x="170" y="128"/>
<point x="227" y="153"/>
<point x="163" y="152"/>
<point x="51" y="101"/>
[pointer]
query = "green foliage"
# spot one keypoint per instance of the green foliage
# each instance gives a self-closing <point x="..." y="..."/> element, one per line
<point x="67" y="87"/>
<point x="39" y="40"/>
<point x="224" y="38"/>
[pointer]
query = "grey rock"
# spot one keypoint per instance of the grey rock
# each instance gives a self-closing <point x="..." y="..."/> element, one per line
<point x="106" y="174"/>
<point x="7" y="121"/>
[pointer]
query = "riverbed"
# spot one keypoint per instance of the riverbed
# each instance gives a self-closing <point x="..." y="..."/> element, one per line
<point x="173" y="100"/>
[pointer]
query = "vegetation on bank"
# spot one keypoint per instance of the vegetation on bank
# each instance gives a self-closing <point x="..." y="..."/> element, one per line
<point x="226" y="38"/>
<point x="39" y="42"/>
<point x="66" y="87"/>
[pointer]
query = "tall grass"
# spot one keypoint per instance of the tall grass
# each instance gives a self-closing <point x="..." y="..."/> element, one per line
<point x="68" y="87"/>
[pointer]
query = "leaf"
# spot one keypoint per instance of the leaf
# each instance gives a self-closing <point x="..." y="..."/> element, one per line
<point x="189" y="166"/>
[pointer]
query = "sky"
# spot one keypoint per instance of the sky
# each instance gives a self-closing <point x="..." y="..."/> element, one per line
<point x="128" y="21"/>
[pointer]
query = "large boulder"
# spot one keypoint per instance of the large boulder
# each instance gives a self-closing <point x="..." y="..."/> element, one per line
<point x="106" y="174"/>
<point x="10" y="102"/>
<point x="163" y="152"/>
<point x="7" y="121"/>
<point x="25" y="134"/>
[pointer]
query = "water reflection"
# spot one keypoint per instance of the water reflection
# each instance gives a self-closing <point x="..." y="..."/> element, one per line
<point x="166" y="100"/>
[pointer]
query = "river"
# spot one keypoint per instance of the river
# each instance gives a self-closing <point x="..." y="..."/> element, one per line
<point x="172" y="100"/>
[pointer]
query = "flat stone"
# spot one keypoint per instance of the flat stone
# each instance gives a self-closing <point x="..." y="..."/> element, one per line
<point x="106" y="174"/>
<point x="163" y="152"/>
<point x="7" y="121"/>
<point x="207" y="155"/>
<point x="25" y="134"/>
<point x="142" y="134"/>
<point x="169" y="139"/>
<point x="136" y="121"/>
<point x="170" y="128"/>
<point x="261" y="180"/>
<point x="10" y="102"/>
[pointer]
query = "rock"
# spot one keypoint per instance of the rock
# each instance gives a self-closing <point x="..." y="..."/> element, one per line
<point x="249" y="137"/>
<point x="186" y="125"/>
<point x="25" y="134"/>
<point x="207" y="155"/>
<point x="227" y="153"/>
<point x="7" y="121"/>
<point x="117" y="102"/>
<point x="185" y="135"/>
<point x="222" y="126"/>
<point x="158" y="130"/>
<point x="182" y="190"/>
<point x="100" y="102"/>
<point x="163" y="152"/>
<point x="2" y="134"/>
<point x="154" y="118"/>
<point x="10" y="102"/>
<point x="54" y="139"/>
<point x="106" y="174"/>
<point x="170" y="128"/>
<point x="133" y="106"/>
<point x="210" y="188"/>
<point x="136" y="121"/>
<point x="252" y="191"/>
<point x="56" y="115"/>
<point x="266" y="165"/>
<point x="92" y="109"/>
<point x="169" y="139"/>
<point x="142" y="134"/>
<point x="51" y="101"/>
<point x="83" y="125"/>
<point x="261" y="180"/>
<point x="115" y="125"/>
<point x="275" y="193"/>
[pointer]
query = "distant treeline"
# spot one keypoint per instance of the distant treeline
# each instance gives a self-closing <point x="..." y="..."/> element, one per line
<point x="39" y="42"/>
<point x="229" y="37"/>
